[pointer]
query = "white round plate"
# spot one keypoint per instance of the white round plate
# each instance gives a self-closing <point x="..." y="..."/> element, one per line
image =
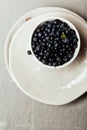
<point x="54" y="87"/>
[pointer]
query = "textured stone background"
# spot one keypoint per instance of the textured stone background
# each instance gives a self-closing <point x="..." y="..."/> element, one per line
<point x="19" y="112"/>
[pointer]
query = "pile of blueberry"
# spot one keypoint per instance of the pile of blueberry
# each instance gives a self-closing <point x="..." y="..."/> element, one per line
<point x="54" y="42"/>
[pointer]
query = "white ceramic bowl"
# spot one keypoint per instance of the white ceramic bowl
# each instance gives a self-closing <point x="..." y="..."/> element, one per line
<point x="49" y="17"/>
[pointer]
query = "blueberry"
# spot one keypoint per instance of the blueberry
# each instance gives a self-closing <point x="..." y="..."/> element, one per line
<point x="45" y="34"/>
<point x="52" y="34"/>
<point x="57" y="39"/>
<point x="65" y="24"/>
<point x="45" y="51"/>
<point x="55" y="54"/>
<point x="69" y="49"/>
<point x="35" y="51"/>
<point x="60" y="54"/>
<point x="34" y="39"/>
<point x="49" y="25"/>
<point x="55" y="48"/>
<point x="70" y="39"/>
<point x="41" y="54"/>
<point x="72" y="51"/>
<point x="70" y="56"/>
<point x="62" y="25"/>
<point x="57" y="33"/>
<point x="58" y="26"/>
<point x="75" y="46"/>
<point x="35" y="35"/>
<point x="67" y="46"/>
<point x="65" y="59"/>
<point x="63" y="49"/>
<point x="51" y="41"/>
<point x="44" y="57"/>
<point x="72" y="31"/>
<point x="44" y="40"/>
<point x="48" y="30"/>
<point x="59" y="63"/>
<point x="49" y="45"/>
<point x="67" y="52"/>
<point x="56" y="45"/>
<point x="38" y="30"/>
<point x="39" y="58"/>
<point x="64" y="45"/>
<point x="29" y="52"/>
<point x="50" y="60"/>
<point x="36" y="55"/>
<point x="58" y="59"/>
<point x="46" y="23"/>
<point x="50" y="64"/>
<point x="39" y="40"/>
<point x="59" y="30"/>
<point x="33" y="46"/>
<point x="47" y="38"/>
<point x="51" y="38"/>
<point x="38" y="48"/>
<point x="66" y="30"/>
<point x="39" y="34"/>
<point x="66" y="40"/>
<point x="53" y="29"/>
<point x="57" y="21"/>
<point x="43" y="44"/>
<point x="52" y="54"/>
<point x="54" y="63"/>
<point x="43" y="61"/>
<point x="75" y="40"/>
<point x="47" y="54"/>
<point x="42" y="28"/>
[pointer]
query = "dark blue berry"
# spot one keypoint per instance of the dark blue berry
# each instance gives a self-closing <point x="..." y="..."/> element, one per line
<point x="41" y="53"/>
<point x="38" y="48"/>
<point x="72" y="31"/>
<point x="34" y="39"/>
<point x="57" y="34"/>
<point x="43" y="61"/>
<point x="47" y="38"/>
<point x="43" y="44"/>
<point x="45" y="34"/>
<point x="62" y="25"/>
<point x="39" y="34"/>
<point x="44" y="57"/>
<point x="39" y="58"/>
<point x="38" y="30"/>
<point x="50" y="64"/>
<point x="56" y="45"/>
<point x="29" y="52"/>
<point x="54" y="63"/>
<point x="58" y="59"/>
<point x="70" y="56"/>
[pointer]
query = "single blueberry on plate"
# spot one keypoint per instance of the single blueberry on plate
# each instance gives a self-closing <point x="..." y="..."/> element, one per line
<point x="29" y="52"/>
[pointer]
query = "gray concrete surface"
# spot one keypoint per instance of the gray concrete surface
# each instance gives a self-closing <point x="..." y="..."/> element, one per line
<point x="19" y="112"/>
